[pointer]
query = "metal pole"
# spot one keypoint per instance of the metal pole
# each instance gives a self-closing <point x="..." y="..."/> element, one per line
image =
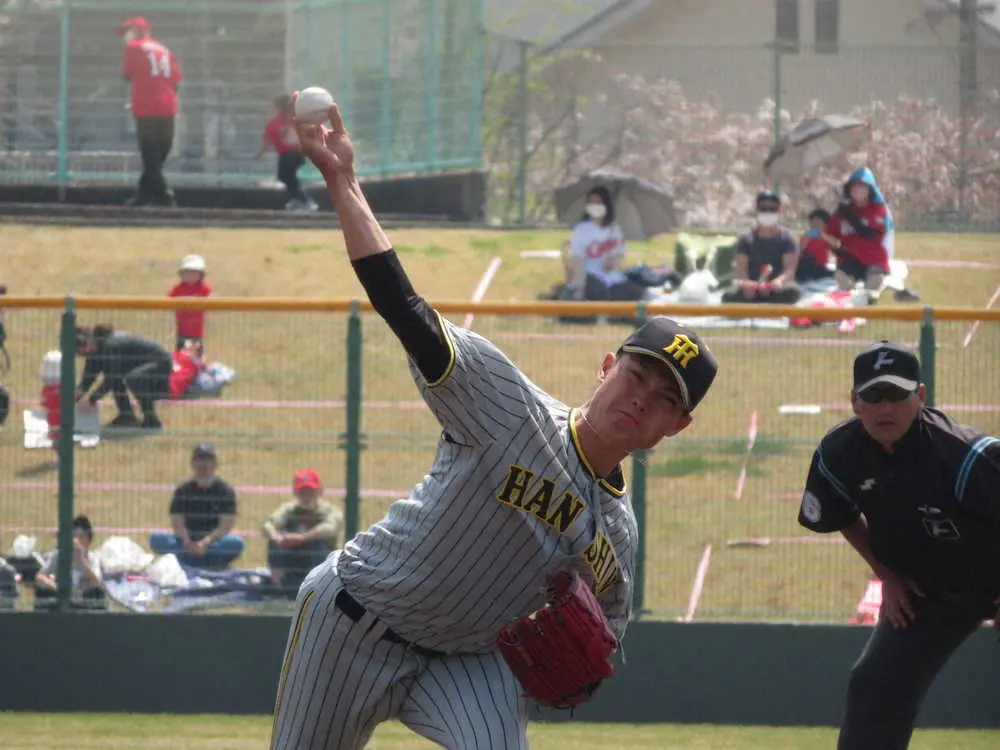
<point x="432" y="78"/>
<point x="67" y="427"/>
<point x="352" y="436"/>
<point x="928" y="349"/>
<point x="475" y="145"/>
<point x="62" y="146"/>
<point x="385" y="123"/>
<point x="968" y="85"/>
<point x="776" y="82"/>
<point x="522" y="132"/>
<point x="640" y="460"/>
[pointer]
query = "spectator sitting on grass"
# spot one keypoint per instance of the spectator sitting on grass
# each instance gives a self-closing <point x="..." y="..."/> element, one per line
<point x="597" y="249"/>
<point x="302" y="532"/>
<point x="766" y="258"/>
<point x="202" y="514"/>
<point x="8" y="585"/>
<point x="87" y="590"/>
<point x="814" y="246"/>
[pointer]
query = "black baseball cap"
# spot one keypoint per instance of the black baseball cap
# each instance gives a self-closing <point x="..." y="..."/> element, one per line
<point x="682" y="350"/>
<point x="887" y="362"/>
<point x="768" y="196"/>
<point x="203" y="450"/>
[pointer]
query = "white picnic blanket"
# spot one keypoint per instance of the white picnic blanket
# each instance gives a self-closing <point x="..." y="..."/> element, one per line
<point x="698" y="288"/>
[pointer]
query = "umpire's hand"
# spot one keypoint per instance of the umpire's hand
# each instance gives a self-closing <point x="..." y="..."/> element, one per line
<point x="897" y="607"/>
<point x="328" y="148"/>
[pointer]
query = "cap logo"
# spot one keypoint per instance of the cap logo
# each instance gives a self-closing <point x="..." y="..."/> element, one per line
<point x="682" y="349"/>
<point x="884" y="359"/>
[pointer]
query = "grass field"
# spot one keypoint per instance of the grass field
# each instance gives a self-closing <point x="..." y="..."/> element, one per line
<point x="125" y="732"/>
<point x="284" y="357"/>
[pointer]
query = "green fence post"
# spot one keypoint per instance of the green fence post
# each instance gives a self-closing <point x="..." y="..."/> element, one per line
<point x="640" y="460"/>
<point x="928" y="349"/>
<point x="62" y="144"/>
<point x="352" y="436"/>
<point x="432" y="77"/>
<point x="386" y="131"/>
<point x="474" y="149"/>
<point x="67" y="427"/>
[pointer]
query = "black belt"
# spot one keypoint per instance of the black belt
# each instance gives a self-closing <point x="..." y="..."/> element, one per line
<point x="356" y="610"/>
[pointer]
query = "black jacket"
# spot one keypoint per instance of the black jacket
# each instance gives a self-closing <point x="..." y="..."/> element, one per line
<point x="118" y="355"/>
<point x="932" y="505"/>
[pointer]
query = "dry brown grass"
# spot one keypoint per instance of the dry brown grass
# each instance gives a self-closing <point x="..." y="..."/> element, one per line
<point x="300" y="357"/>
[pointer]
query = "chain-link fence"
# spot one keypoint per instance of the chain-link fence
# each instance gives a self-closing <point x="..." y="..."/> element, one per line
<point x="718" y="504"/>
<point x="407" y="72"/>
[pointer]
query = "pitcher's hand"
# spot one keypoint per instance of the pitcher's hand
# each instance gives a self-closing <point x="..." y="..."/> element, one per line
<point x="328" y="148"/>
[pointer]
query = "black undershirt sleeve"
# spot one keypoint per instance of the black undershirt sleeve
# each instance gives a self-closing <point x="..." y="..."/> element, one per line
<point x="414" y="322"/>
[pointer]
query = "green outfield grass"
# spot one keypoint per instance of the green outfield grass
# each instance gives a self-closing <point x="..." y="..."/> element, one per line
<point x="282" y="357"/>
<point x="131" y="732"/>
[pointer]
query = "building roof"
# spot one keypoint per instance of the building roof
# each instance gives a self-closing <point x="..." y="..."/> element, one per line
<point x="989" y="13"/>
<point x="555" y="23"/>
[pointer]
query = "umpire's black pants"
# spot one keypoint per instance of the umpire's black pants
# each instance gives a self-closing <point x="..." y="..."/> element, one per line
<point x="156" y="138"/>
<point x="897" y="666"/>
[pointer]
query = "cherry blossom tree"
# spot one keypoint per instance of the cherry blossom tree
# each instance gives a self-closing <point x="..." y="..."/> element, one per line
<point x="711" y="160"/>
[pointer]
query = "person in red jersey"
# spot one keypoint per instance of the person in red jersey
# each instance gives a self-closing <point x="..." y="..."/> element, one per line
<point x="859" y="226"/>
<point x="154" y="74"/>
<point x="190" y="323"/>
<point x="280" y="135"/>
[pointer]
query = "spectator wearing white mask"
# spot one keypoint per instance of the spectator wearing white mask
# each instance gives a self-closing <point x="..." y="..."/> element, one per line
<point x="766" y="258"/>
<point x="596" y="251"/>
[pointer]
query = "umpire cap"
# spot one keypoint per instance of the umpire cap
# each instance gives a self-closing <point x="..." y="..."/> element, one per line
<point x="692" y="364"/>
<point x="886" y="362"/>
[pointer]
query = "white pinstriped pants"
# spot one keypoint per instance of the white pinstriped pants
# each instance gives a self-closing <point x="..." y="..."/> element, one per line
<point x="339" y="679"/>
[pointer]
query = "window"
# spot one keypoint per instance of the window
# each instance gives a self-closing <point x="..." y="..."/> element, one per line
<point x="786" y="31"/>
<point x="827" y="26"/>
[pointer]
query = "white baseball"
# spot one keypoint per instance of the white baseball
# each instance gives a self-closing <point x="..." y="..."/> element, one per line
<point x="312" y="105"/>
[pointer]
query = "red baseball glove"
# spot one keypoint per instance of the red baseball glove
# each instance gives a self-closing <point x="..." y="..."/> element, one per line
<point x="560" y="653"/>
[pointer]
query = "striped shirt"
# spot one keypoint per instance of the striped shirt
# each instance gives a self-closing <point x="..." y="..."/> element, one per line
<point x="509" y="501"/>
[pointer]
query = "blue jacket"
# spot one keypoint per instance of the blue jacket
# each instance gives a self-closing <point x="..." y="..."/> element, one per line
<point x="865" y="175"/>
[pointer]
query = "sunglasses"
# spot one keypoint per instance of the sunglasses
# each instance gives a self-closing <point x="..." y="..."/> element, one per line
<point x="768" y="208"/>
<point x="878" y="395"/>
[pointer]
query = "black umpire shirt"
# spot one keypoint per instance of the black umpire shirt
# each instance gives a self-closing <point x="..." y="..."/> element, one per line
<point x="932" y="505"/>
<point x="202" y="506"/>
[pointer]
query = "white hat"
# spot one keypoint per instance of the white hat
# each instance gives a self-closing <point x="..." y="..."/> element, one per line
<point x="193" y="263"/>
<point x="51" y="367"/>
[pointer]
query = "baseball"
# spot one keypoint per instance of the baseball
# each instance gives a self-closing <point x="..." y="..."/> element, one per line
<point x="312" y="105"/>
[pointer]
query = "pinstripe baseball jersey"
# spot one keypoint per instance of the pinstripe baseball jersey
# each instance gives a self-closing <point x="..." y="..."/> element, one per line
<point x="509" y="501"/>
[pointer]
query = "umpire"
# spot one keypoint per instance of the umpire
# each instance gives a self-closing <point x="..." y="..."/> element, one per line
<point x="918" y="496"/>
